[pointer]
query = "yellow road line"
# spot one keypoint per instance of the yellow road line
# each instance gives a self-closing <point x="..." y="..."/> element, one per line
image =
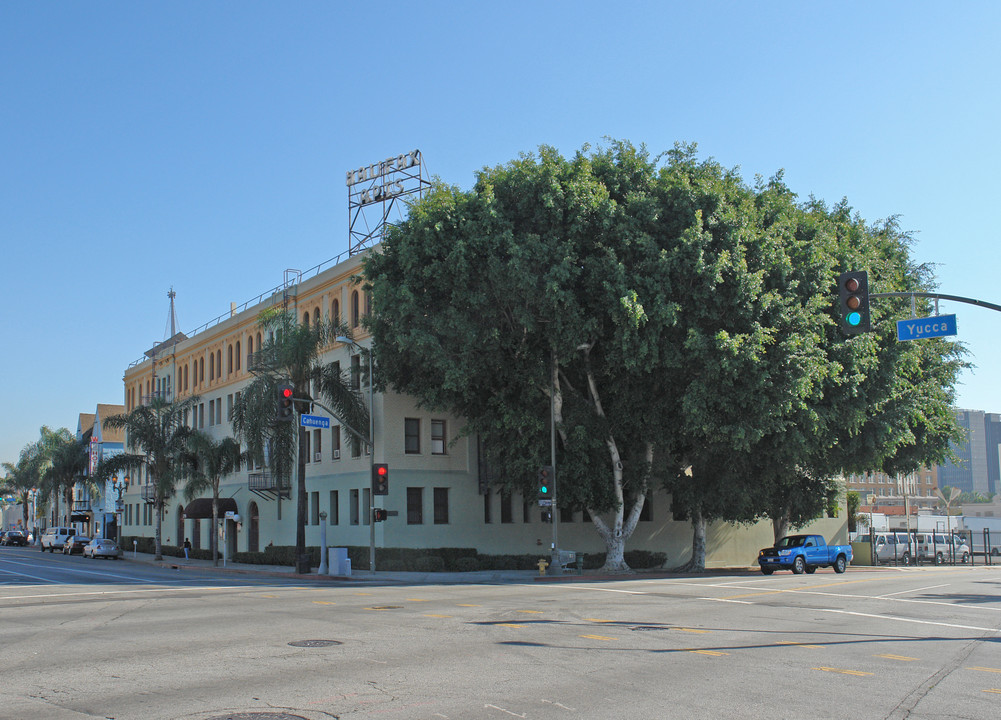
<point x="597" y="620"/>
<point x="985" y="669"/>
<point x="533" y="612"/>
<point x="467" y="605"/>
<point x="799" y="644"/>
<point x="323" y="602"/>
<point x="416" y="600"/>
<point x="888" y="656"/>
<point x="843" y="672"/>
<point x="708" y="652"/>
<point x="360" y="593"/>
<point x="692" y="630"/>
<point x="437" y="616"/>
<point x="597" y="637"/>
<point x="510" y="625"/>
<point x="996" y="691"/>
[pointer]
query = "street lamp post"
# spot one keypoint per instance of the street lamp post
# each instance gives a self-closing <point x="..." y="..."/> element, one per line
<point x="120" y="485"/>
<point x="371" y="449"/>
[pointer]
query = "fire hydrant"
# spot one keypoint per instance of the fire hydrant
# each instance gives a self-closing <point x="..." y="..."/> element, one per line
<point x="542" y="566"/>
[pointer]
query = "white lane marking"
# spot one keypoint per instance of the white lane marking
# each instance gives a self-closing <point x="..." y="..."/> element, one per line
<point x="127" y="592"/>
<point x="902" y="592"/>
<point x="908" y="620"/>
<point x="603" y="589"/>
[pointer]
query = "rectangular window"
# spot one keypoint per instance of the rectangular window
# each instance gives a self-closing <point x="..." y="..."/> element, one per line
<point x="356" y="372"/>
<point x="415" y="506"/>
<point x="412" y="436"/>
<point x="218" y="411"/>
<point x="335" y="442"/>
<point x="566" y="515"/>
<point x="201" y="415"/>
<point x="355" y="446"/>
<point x="441" y="506"/>
<point x="353" y="508"/>
<point x="314" y="508"/>
<point x="507" y="514"/>
<point x="229" y="408"/>
<point x="211" y="412"/>
<point x="438" y="444"/>
<point x="334" y="511"/>
<point x="317" y="445"/>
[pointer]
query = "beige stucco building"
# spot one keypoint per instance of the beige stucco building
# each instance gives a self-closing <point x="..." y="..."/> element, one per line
<point x="435" y="483"/>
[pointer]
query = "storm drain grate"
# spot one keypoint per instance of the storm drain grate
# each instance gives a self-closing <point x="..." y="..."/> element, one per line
<point x="258" y="716"/>
<point x="311" y="643"/>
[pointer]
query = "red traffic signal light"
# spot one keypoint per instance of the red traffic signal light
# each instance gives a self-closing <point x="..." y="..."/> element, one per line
<point x="286" y="407"/>
<point x="380" y="479"/>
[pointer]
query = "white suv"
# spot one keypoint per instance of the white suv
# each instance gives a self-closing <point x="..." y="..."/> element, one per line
<point x="54" y="538"/>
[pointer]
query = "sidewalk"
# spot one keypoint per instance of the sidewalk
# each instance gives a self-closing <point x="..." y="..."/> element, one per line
<point x="423" y="578"/>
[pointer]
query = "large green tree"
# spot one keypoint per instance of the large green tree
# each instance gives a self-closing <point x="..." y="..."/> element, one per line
<point x="206" y="462"/>
<point x="64" y="466"/>
<point x="156" y="437"/>
<point x="294" y="352"/>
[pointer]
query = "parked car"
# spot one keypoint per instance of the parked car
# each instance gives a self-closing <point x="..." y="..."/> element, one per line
<point x="102" y="547"/>
<point x="894" y="547"/>
<point x="75" y="544"/>
<point x="14" y="537"/>
<point x="55" y="537"/>
<point x="804" y="553"/>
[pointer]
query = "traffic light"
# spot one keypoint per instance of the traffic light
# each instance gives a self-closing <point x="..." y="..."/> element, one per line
<point x="379" y="514"/>
<point x="380" y="479"/>
<point x="545" y="482"/>
<point x="286" y="409"/>
<point x="853" y="297"/>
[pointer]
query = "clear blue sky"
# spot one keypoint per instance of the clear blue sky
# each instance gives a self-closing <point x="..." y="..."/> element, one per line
<point x="204" y="145"/>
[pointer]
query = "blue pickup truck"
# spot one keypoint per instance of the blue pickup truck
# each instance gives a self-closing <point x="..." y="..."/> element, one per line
<point x="804" y="553"/>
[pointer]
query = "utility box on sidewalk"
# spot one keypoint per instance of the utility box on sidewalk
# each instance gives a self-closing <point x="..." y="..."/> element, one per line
<point x="340" y="563"/>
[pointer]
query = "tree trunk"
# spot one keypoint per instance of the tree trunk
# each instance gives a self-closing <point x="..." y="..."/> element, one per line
<point x="779" y="526"/>
<point x="214" y="535"/>
<point x="698" y="563"/>
<point x="158" y="509"/>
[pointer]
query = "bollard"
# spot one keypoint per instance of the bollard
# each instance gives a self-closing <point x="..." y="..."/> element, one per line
<point x="542" y="566"/>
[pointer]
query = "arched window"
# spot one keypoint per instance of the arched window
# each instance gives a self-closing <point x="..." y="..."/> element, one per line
<point x="368" y="304"/>
<point x="250" y="350"/>
<point x="258" y="342"/>
<point x="211" y="367"/>
<point x="201" y="369"/>
<point x="237" y="355"/>
<point x="316" y="316"/>
<point x="355" y="310"/>
<point x="305" y="318"/>
<point x="229" y="359"/>
<point x="218" y="362"/>
<point x="335" y="311"/>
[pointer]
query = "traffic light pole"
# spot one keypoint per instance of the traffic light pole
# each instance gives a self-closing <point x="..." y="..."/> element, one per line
<point x="939" y="296"/>
<point x="555" y="566"/>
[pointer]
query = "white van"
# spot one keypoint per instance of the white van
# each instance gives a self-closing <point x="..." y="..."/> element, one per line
<point x="54" y="538"/>
<point x="942" y="548"/>
<point x="893" y="547"/>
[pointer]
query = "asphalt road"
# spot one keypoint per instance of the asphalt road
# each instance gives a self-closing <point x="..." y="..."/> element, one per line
<point x="104" y="639"/>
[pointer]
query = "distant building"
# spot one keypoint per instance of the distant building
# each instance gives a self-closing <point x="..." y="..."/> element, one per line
<point x="888" y="492"/>
<point x="977" y="469"/>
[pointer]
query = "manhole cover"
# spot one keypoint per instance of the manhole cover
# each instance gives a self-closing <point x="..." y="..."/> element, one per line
<point x="307" y="643"/>
<point x="257" y="716"/>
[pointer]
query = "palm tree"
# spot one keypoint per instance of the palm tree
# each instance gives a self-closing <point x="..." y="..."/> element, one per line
<point x="24" y="476"/>
<point x="206" y="462"/>
<point x="292" y="354"/>
<point x="157" y="436"/>
<point x="65" y="462"/>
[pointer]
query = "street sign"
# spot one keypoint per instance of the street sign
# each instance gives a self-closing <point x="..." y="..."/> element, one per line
<point x="315" y="421"/>
<point x="545" y="503"/>
<point x="929" y="327"/>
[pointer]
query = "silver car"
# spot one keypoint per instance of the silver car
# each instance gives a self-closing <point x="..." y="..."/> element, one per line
<point x="102" y="547"/>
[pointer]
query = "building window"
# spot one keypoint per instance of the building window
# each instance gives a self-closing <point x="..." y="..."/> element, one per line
<point x="316" y="316"/>
<point x="487" y="518"/>
<point x="415" y="506"/>
<point x="438" y="444"/>
<point x="355" y="310"/>
<point x="335" y="442"/>
<point x="314" y="508"/>
<point x="441" y="506"/>
<point x="356" y="372"/>
<point x="353" y="508"/>
<point x="334" y="512"/>
<point x="238" y="355"/>
<point x="507" y="515"/>
<point x="335" y="311"/>
<point x="229" y="359"/>
<point x="566" y="515"/>
<point x="412" y="436"/>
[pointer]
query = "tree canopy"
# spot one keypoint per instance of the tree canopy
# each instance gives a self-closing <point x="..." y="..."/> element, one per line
<point x="683" y="323"/>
